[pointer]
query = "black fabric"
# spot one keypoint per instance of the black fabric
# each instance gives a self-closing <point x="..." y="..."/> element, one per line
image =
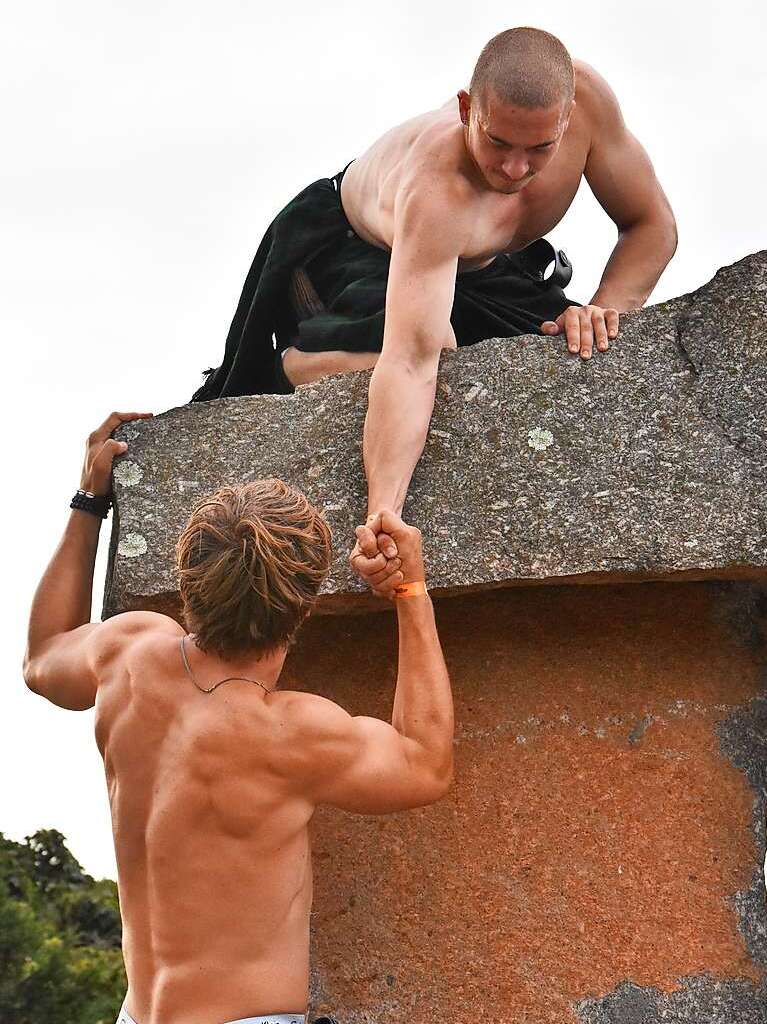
<point x="281" y="384"/>
<point x="508" y="297"/>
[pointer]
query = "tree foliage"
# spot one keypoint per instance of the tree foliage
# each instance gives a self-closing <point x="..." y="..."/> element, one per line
<point x="60" y="957"/>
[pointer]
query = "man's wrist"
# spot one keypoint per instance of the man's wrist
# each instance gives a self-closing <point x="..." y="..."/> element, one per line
<point x="97" y="505"/>
<point x="614" y="301"/>
<point x="394" y="505"/>
<point x="100" y="490"/>
<point x="404" y="591"/>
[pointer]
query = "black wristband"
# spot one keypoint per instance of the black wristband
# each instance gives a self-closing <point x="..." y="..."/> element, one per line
<point x="97" y="504"/>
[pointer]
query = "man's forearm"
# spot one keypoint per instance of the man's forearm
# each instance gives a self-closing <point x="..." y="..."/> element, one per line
<point x="637" y="262"/>
<point x="423" y="702"/>
<point x="399" y="410"/>
<point x="62" y="601"/>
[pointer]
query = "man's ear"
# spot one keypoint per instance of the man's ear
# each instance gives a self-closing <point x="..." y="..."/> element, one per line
<point x="464" y="105"/>
<point x="569" y="114"/>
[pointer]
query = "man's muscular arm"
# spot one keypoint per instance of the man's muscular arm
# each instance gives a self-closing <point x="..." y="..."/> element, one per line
<point x="366" y="765"/>
<point x="621" y="176"/>
<point x="428" y="239"/>
<point x="64" y="647"/>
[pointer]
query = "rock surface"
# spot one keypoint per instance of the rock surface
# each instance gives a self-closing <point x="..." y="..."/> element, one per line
<point x="599" y="858"/>
<point x="648" y="462"/>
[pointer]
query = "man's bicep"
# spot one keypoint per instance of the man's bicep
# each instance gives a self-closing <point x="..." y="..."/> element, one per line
<point x="421" y="283"/>
<point x="64" y="671"/>
<point x="618" y="169"/>
<point x="363" y="764"/>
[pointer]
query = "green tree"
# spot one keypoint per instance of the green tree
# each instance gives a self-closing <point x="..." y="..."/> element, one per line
<point x="60" y="957"/>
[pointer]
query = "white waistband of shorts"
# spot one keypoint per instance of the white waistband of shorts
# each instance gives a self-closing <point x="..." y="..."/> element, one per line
<point x="274" y="1018"/>
<point x="277" y="1018"/>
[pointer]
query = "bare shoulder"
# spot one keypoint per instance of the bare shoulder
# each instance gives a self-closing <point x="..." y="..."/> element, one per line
<point x="438" y="204"/>
<point x="115" y="633"/>
<point x="134" y="622"/>
<point x="316" y="739"/>
<point x="590" y="86"/>
<point x="131" y="624"/>
<point x="595" y="101"/>
<point x="310" y="716"/>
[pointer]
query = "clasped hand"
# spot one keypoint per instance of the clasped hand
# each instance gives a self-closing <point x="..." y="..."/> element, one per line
<point x="387" y="553"/>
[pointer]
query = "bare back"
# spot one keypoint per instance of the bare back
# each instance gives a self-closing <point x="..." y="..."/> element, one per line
<point x="430" y="148"/>
<point x="211" y="841"/>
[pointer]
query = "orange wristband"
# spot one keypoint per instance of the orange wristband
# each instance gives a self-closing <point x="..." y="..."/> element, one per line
<point x="410" y="589"/>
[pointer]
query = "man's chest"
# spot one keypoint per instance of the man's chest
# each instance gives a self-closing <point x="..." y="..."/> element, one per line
<point x="509" y="223"/>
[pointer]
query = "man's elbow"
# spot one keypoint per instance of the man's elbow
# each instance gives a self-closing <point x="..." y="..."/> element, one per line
<point x="435" y="788"/>
<point x="439" y="777"/>
<point x="444" y="781"/>
<point x="659" y="223"/>
<point x="30" y="671"/>
<point x="72" y="695"/>
<point x="674" y="236"/>
<point x="670" y="232"/>
<point x="418" y="357"/>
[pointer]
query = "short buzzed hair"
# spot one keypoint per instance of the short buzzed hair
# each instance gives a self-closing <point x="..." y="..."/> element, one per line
<point x="250" y="561"/>
<point x="525" y="67"/>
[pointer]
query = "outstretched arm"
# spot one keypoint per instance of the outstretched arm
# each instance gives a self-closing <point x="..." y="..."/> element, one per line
<point x="621" y="176"/>
<point x="419" y="300"/>
<point x="59" y="660"/>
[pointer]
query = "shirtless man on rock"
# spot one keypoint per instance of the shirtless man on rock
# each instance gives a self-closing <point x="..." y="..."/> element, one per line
<point x="214" y="773"/>
<point x="432" y="239"/>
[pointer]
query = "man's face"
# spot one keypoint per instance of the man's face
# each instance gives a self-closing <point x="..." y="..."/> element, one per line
<point x="509" y="144"/>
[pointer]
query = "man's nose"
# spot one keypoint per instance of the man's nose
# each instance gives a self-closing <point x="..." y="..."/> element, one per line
<point x="516" y="167"/>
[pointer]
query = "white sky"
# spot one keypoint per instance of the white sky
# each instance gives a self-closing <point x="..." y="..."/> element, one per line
<point x="146" y="148"/>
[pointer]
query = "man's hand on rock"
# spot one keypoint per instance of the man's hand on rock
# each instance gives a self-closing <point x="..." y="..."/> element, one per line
<point x="387" y="553"/>
<point x="583" y="326"/>
<point x="100" y="452"/>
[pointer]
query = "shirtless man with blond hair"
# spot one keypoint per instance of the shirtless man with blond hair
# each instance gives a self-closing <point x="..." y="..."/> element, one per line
<point x="213" y="773"/>
<point x="422" y="244"/>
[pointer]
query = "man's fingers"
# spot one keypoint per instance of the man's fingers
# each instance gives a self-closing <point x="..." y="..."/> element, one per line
<point x="550" y="327"/>
<point x="392" y="524"/>
<point x="113" y="421"/>
<point x="386" y="589"/>
<point x="111" y="448"/>
<point x="373" y="522"/>
<point x="573" y="333"/>
<point x="377" y="578"/>
<point x="366" y="566"/>
<point x="386" y="545"/>
<point x="589" y="325"/>
<point x="367" y="541"/>
<point x="103" y="458"/>
<point x="587" y="332"/>
<point x="600" y="333"/>
<point x="612" y="320"/>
